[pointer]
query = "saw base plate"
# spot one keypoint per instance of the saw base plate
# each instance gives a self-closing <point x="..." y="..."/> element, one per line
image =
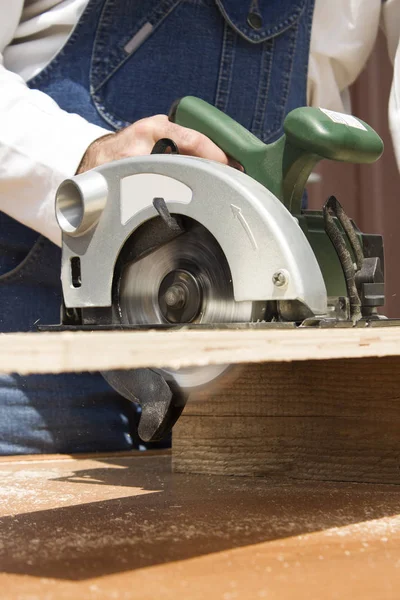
<point x="322" y="323"/>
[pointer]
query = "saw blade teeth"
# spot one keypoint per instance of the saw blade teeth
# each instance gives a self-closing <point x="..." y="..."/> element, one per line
<point x="196" y="253"/>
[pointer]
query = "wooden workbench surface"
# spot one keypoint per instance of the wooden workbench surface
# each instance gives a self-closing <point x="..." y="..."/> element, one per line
<point x="124" y="527"/>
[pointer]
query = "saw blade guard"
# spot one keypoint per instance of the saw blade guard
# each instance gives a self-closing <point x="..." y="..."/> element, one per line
<point x="268" y="255"/>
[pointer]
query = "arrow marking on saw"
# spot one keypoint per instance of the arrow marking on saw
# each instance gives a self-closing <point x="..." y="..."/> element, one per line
<point x="237" y="213"/>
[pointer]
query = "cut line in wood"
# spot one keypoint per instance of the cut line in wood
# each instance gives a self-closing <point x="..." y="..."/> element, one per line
<point x="27" y="353"/>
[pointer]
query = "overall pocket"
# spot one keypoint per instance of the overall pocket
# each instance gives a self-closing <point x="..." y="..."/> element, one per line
<point x="30" y="286"/>
<point x="27" y="257"/>
<point x="206" y="48"/>
<point x="17" y="243"/>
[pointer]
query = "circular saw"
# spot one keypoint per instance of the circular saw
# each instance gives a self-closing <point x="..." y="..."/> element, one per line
<point x="172" y="241"/>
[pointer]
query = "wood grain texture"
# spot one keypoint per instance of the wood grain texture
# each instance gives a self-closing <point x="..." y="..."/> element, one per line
<point x="322" y="420"/>
<point x="126" y="528"/>
<point x="27" y="353"/>
<point x="296" y="416"/>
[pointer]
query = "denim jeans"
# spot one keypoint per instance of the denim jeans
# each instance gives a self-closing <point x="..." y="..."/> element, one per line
<point x="127" y="59"/>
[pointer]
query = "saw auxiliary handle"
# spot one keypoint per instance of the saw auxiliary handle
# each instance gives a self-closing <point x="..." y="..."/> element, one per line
<point x="166" y="241"/>
<point x="283" y="167"/>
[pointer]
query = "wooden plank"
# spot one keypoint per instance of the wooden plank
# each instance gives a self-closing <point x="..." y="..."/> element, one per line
<point x="126" y="527"/>
<point x="26" y="353"/>
<point x="321" y="420"/>
<point x="309" y="418"/>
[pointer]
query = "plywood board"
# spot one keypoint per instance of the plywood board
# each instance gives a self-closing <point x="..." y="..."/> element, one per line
<point x="26" y="353"/>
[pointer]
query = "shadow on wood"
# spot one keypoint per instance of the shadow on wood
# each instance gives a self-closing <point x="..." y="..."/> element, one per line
<point x="75" y="520"/>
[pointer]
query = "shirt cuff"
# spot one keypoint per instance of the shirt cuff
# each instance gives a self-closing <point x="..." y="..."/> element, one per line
<point x="40" y="146"/>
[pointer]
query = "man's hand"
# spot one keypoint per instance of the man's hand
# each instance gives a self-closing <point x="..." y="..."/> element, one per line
<point x="138" y="139"/>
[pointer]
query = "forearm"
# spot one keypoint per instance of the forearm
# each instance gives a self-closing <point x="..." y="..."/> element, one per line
<point x="40" y="145"/>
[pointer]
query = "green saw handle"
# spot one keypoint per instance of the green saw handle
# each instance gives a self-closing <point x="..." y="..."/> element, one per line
<point x="284" y="166"/>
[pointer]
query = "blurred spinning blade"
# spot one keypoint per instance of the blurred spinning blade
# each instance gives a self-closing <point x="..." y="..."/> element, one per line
<point x="194" y="265"/>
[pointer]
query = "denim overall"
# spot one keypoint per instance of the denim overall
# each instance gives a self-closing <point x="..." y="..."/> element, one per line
<point x="125" y="60"/>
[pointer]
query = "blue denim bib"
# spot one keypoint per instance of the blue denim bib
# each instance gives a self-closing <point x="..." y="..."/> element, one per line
<point x="125" y="60"/>
<point x="131" y="59"/>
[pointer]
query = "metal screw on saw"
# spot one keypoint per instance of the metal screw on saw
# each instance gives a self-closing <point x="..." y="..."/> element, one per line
<point x="175" y="296"/>
<point x="280" y="278"/>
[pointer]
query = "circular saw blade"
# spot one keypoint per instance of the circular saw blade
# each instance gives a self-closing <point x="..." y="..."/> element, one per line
<point x="208" y="299"/>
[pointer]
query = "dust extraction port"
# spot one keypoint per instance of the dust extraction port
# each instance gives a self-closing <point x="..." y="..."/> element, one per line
<point x="80" y="202"/>
<point x="76" y="272"/>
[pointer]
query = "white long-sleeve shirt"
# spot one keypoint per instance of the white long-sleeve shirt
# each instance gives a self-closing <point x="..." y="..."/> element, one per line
<point x="40" y="144"/>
